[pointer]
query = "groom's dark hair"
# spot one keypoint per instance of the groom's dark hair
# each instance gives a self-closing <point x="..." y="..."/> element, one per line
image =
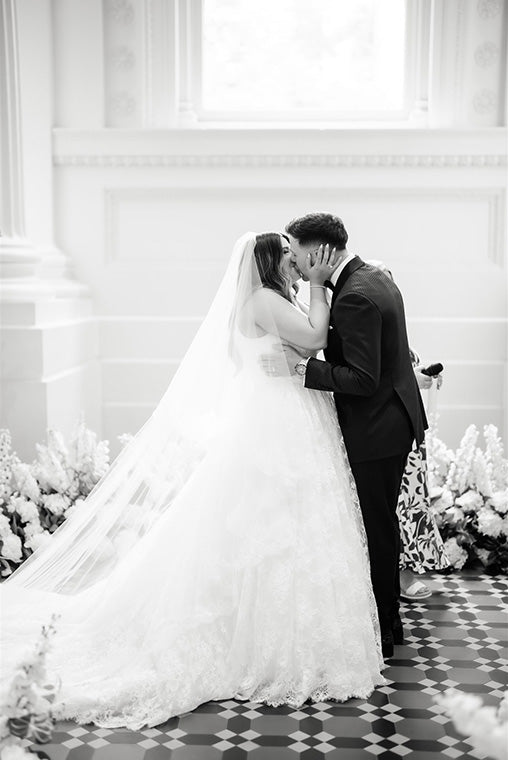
<point x="319" y="228"/>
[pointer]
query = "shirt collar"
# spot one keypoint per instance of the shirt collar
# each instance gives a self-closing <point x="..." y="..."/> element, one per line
<point x="335" y="276"/>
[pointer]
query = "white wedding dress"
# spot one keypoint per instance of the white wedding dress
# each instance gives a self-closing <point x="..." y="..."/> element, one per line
<point x="253" y="584"/>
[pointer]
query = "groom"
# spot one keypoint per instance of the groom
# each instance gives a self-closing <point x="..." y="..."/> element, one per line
<point x="368" y="368"/>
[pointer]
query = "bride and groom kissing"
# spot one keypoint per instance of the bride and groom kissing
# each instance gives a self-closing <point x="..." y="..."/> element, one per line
<point x="244" y="544"/>
<point x="368" y="369"/>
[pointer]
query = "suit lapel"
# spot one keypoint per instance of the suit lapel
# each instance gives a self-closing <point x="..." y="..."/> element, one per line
<point x="351" y="267"/>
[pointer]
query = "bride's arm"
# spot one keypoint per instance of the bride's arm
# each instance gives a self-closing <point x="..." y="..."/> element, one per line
<point x="273" y="312"/>
<point x="303" y="306"/>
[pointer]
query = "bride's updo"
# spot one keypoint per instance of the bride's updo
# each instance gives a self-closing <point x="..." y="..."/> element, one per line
<point x="268" y="256"/>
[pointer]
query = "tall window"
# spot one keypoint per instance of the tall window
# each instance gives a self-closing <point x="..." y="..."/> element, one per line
<point x="303" y="59"/>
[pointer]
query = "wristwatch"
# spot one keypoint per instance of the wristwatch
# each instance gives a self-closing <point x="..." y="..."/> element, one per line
<point x="301" y="367"/>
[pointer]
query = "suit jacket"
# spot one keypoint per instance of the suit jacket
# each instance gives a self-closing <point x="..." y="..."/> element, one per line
<point x="368" y="366"/>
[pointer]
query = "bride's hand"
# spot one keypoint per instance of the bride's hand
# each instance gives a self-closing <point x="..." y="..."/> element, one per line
<point x="319" y="271"/>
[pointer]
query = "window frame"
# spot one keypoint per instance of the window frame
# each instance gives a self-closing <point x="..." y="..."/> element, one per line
<point x="416" y="63"/>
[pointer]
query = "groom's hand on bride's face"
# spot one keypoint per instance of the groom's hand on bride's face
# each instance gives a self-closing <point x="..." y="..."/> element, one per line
<point x="281" y="362"/>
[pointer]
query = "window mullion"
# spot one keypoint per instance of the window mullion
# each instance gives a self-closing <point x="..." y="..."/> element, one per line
<point x="418" y="60"/>
<point x="189" y="57"/>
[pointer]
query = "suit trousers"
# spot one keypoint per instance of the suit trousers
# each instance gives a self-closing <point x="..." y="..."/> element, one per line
<point x="378" y="483"/>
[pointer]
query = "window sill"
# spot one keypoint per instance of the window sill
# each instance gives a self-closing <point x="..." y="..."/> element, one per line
<point x="279" y="145"/>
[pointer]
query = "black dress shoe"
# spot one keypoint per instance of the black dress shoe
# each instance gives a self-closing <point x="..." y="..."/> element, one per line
<point x="387" y="645"/>
<point x="397" y="631"/>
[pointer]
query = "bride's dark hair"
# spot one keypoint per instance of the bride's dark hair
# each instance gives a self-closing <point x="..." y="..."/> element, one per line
<point x="268" y="256"/>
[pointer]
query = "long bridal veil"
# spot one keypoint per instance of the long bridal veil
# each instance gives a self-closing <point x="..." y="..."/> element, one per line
<point x="159" y="460"/>
<point x="222" y="555"/>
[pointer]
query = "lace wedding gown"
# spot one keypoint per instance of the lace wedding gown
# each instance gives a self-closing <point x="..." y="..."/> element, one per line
<point x="254" y="584"/>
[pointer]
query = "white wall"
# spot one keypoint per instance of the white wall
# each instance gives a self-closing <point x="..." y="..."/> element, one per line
<point x="151" y="226"/>
<point x="147" y="202"/>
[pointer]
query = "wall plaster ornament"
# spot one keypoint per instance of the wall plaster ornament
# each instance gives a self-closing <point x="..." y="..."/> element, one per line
<point x="122" y="104"/>
<point x="486" y="54"/>
<point x="220" y="161"/>
<point x="121" y="11"/>
<point x="122" y="58"/>
<point x="484" y="101"/>
<point x="489" y="8"/>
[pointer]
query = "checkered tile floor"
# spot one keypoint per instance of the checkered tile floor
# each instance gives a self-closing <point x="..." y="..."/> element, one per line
<point x="458" y="638"/>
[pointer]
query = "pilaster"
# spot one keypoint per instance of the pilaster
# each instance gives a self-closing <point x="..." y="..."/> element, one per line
<point x="47" y="341"/>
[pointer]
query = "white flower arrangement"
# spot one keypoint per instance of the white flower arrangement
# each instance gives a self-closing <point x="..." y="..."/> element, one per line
<point x="27" y="712"/>
<point x="469" y="498"/>
<point x="15" y="752"/>
<point x="36" y="498"/>
<point x="468" y="490"/>
<point x="486" y="728"/>
<point x="457" y="556"/>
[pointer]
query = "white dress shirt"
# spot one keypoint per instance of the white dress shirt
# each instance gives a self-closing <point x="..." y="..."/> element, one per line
<point x="337" y="273"/>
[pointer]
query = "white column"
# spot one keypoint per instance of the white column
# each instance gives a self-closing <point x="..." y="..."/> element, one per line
<point x="49" y="370"/>
<point x="31" y="265"/>
<point x="18" y="257"/>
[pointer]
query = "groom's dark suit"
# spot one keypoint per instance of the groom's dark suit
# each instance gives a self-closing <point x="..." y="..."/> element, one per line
<point x="379" y="406"/>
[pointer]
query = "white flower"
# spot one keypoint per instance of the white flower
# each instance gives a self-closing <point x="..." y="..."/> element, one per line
<point x="444" y="501"/>
<point x="15" y="752"/>
<point x="505" y="525"/>
<point x="52" y="473"/>
<point x="125" y="438"/>
<point x="9" y="505"/>
<point x="489" y="522"/>
<point x="25" y="482"/>
<point x="56" y="503"/>
<point x="498" y="465"/>
<point x="499" y="500"/>
<point x="70" y="510"/>
<point x="470" y="501"/>
<point x="7" y="459"/>
<point x="5" y="526"/>
<point x="439" y="456"/>
<point x="460" y="475"/>
<point x="27" y="510"/>
<point x="89" y="458"/>
<point x="453" y="515"/>
<point x="480" y="473"/>
<point x="31" y="529"/>
<point x="11" y="548"/>
<point x="38" y="540"/>
<point x="455" y="553"/>
<point x="4" y="730"/>
<point x="502" y="711"/>
<point x="483" y="555"/>
<point x="484" y="727"/>
<point x="460" y="707"/>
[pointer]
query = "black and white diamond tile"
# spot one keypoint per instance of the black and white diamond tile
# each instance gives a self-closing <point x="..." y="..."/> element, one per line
<point x="459" y="638"/>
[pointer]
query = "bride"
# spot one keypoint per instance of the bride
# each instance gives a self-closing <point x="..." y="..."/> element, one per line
<point x="223" y="554"/>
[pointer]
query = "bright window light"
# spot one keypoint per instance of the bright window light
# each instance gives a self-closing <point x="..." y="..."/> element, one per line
<point x="297" y="56"/>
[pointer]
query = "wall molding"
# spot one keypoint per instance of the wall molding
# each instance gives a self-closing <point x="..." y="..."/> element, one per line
<point x="494" y="197"/>
<point x="333" y="161"/>
<point x="279" y="147"/>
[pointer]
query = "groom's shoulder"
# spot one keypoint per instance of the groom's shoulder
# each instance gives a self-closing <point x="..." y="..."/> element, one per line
<point x="370" y="283"/>
<point x="366" y="277"/>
